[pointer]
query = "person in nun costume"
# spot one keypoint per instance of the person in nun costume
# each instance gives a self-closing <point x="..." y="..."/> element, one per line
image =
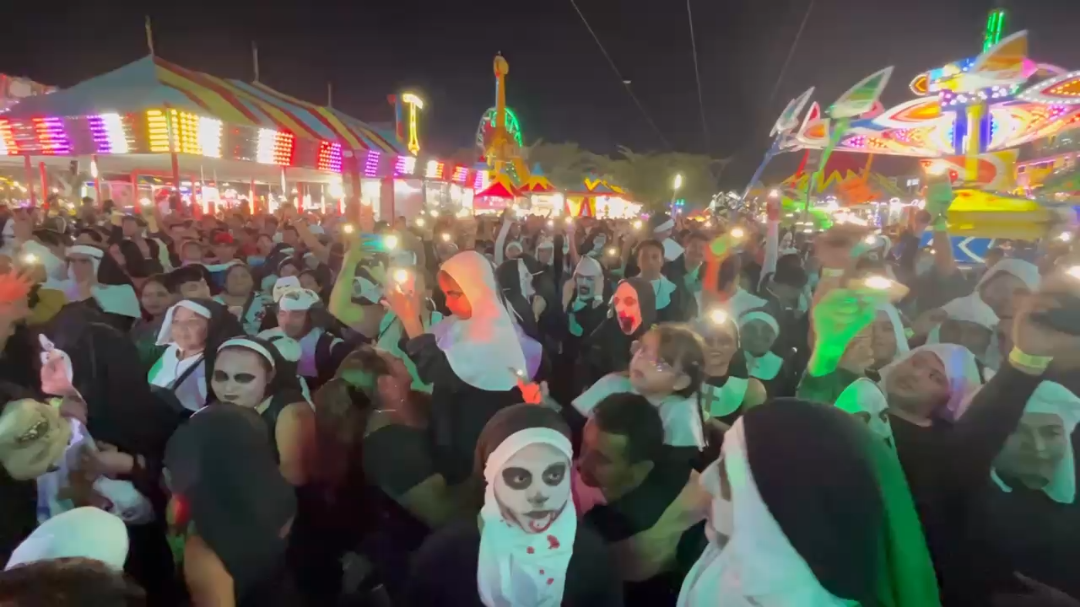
<point x="1026" y="519"/>
<point x="729" y="388"/>
<point x="671" y="298"/>
<point x="85" y="532"/>
<point x="584" y="309"/>
<point x="527" y="549"/>
<point x="301" y="316"/>
<point x="889" y="337"/>
<point x="231" y="511"/>
<point x="191" y="331"/>
<point x="778" y="536"/>
<point x="252" y="373"/>
<point x="968" y="322"/>
<point x="515" y="278"/>
<point x="474" y="358"/>
<point x="607" y="349"/>
<point x="762" y="363"/>
<point x="663" y="226"/>
<point x="95" y="277"/>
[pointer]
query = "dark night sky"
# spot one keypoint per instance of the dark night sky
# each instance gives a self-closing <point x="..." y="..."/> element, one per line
<point x="560" y="84"/>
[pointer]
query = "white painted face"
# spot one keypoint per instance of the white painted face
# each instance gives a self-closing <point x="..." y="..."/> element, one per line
<point x="240" y="377"/>
<point x="533" y="488"/>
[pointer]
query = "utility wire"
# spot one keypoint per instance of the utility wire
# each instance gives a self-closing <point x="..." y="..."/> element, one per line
<point x="790" y="55"/>
<point x="625" y="82"/>
<point x="697" y="77"/>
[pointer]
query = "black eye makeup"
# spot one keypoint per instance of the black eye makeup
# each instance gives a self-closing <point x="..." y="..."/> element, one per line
<point x="517" y="478"/>
<point x="244" y="378"/>
<point x="555" y="474"/>
<point x="220" y="376"/>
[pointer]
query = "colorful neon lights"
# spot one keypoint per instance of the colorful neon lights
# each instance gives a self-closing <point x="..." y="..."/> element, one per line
<point x="481" y="181"/>
<point x="1064" y="90"/>
<point x="995" y="25"/>
<point x="405" y="165"/>
<point x="415" y="103"/>
<point x="109" y="134"/>
<point x="7" y="141"/>
<point x="461" y="174"/>
<point x="274" y="147"/>
<point x="50" y="134"/>
<point x="371" y="163"/>
<point x="434" y="169"/>
<point x="157" y="131"/>
<point x="329" y="157"/>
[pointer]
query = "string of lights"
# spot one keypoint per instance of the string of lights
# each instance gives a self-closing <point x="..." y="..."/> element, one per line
<point x="697" y="77"/>
<point x="625" y="82"/>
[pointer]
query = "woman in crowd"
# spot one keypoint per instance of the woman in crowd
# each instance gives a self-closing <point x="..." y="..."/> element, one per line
<point x="758" y="332"/>
<point x="301" y="316"/>
<point x="95" y="276"/>
<point x="240" y="297"/>
<point x="729" y="389"/>
<point x="231" y="511"/>
<point x="527" y="547"/>
<point x="155" y="300"/>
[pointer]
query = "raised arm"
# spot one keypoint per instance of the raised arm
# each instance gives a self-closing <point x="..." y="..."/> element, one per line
<point x="341" y="303"/>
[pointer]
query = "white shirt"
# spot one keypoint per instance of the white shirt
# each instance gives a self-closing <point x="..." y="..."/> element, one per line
<point x="192" y="392"/>
<point x="682" y="421"/>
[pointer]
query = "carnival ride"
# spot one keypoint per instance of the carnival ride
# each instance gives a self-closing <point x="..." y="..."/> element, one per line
<point x="968" y="119"/>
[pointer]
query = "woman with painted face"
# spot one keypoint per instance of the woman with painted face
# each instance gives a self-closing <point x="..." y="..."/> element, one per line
<point x="250" y="372"/>
<point x="240" y="297"/>
<point x="473" y="358"/>
<point x="607" y="349"/>
<point x="729" y="388"/>
<point x="95" y="277"/>
<point x="776" y="541"/>
<point x="302" y="317"/>
<point x="231" y="511"/>
<point x="155" y="300"/>
<point x="527" y="548"/>
<point x="192" y="330"/>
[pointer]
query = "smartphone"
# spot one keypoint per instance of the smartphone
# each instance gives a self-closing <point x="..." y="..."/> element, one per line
<point x="404" y="279"/>
<point x="378" y="243"/>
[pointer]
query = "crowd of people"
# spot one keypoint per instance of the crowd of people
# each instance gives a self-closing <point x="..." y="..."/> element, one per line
<point x="298" y="409"/>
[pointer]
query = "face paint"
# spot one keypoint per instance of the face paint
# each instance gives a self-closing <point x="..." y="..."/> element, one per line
<point x="586" y="286"/>
<point x="240" y="377"/>
<point x="627" y="308"/>
<point x="533" y="488"/>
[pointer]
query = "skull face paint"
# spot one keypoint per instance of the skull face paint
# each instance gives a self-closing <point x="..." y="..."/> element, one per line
<point x="627" y="308"/>
<point x="533" y="488"/>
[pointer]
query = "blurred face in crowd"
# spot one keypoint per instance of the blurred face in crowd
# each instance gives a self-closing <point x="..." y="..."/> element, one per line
<point x="720" y="346"/>
<point x="293" y="323"/>
<point x="1034" y="450"/>
<point x="264" y="244"/>
<point x="189" y="330"/>
<point x="859" y="355"/>
<point x="456" y="301"/>
<point x="290" y="237"/>
<point x="288" y="270"/>
<point x="131" y="228"/>
<point x="225" y="251"/>
<point x="757" y="337"/>
<point x="1001" y="293"/>
<point x="82" y="266"/>
<point x="884" y="339"/>
<point x="240" y="377"/>
<point x="604" y="464"/>
<point x="650" y="374"/>
<point x="533" y="487"/>
<point x="195" y="289"/>
<point x="918" y="386"/>
<point x="155" y="298"/>
<point x="651" y="261"/>
<point x="695" y="252"/>
<point x="239" y="282"/>
<point x="545" y="254"/>
<point x="972" y="336"/>
<point x="191" y="252"/>
<point x="307" y="280"/>
<point x="627" y="308"/>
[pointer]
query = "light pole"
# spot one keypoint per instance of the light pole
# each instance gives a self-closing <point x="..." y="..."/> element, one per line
<point x="675" y="191"/>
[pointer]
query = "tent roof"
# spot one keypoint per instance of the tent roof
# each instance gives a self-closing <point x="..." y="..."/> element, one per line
<point x="537" y="184"/>
<point x="500" y="187"/>
<point x="153" y="83"/>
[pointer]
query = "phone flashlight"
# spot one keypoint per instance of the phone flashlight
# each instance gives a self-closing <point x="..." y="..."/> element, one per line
<point x="30" y="258"/>
<point x="1074" y="271"/>
<point x="391" y="242"/>
<point x="551" y="223"/>
<point x="445" y="237"/>
<point x="612" y="252"/>
<point x="878" y="282"/>
<point x="420" y="221"/>
<point x="1065" y="236"/>
<point x="434" y="213"/>
<point x="637" y="224"/>
<point x="401" y="276"/>
<point x="348" y="228"/>
<point x="871" y="239"/>
<point x="738" y="233"/>
<point x="718" y="316"/>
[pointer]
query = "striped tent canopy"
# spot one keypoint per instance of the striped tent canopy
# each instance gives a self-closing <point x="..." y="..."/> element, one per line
<point x="152" y="82"/>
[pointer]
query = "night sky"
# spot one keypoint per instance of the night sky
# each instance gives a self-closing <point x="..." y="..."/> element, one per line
<point x="560" y="84"/>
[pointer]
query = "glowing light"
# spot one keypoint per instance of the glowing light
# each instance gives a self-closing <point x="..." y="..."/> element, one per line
<point x="461" y="174"/>
<point x="390" y="241"/>
<point x="612" y="251"/>
<point x="420" y="221"/>
<point x="401" y="276"/>
<point x="348" y="228"/>
<point x="415" y="103"/>
<point x="405" y="165"/>
<point x="51" y="136"/>
<point x="94" y="169"/>
<point x="1074" y="271"/>
<point x="774" y="193"/>
<point x="145" y="202"/>
<point x="371" y="163"/>
<point x="329" y="157"/>
<point x="30" y="258"/>
<point x="994" y="26"/>
<point x="7" y="140"/>
<point x="737" y="233"/>
<point x="551" y="223"/>
<point x="434" y="169"/>
<point x="678" y="181"/>
<point x="274" y="147"/>
<point x="157" y="131"/>
<point x="481" y="180"/>
<point x="209" y="136"/>
<point x="445" y="237"/>
<point x="109" y="134"/>
<point x="336" y="189"/>
<point x="637" y="224"/>
<point x="718" y="316"/>
<point x="878" y="282"/>
<point x="1065" y="236"/>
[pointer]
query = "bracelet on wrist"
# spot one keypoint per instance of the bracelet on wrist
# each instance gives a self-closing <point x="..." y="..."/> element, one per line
<point x="831" y="272"/>
<point x="1021" y="359"/>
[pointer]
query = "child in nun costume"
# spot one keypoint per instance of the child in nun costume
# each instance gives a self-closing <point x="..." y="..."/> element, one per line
<point x="527" y="549"/>
<point x="179" y="376"/>
<point x="473" y="359"/>
<point x="778" y="536"/>
<point x="92" y="272"/>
